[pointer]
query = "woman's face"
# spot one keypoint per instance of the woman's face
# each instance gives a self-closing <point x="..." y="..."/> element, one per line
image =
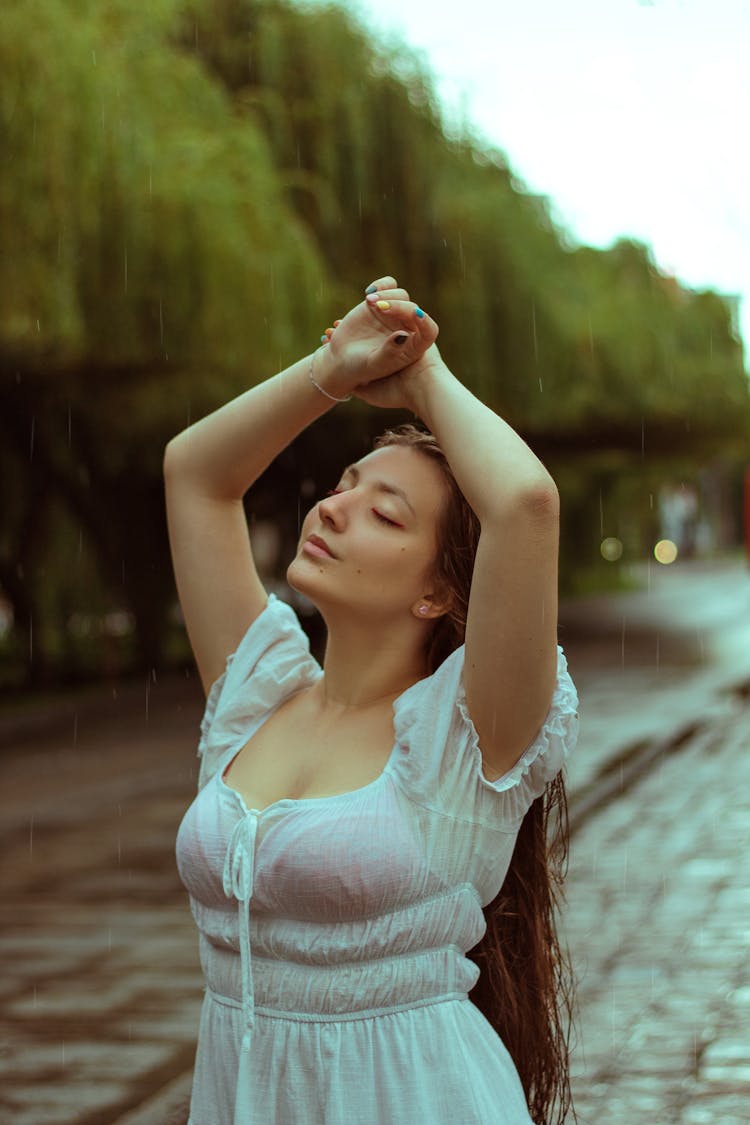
<point x="374" y="539"/>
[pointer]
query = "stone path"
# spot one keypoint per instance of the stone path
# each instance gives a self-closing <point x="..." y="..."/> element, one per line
<point x="658" y="924"/>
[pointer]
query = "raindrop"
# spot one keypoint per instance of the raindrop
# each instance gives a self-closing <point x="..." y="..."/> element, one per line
<point x="622" y="644"/>
<point x="533" y="330"/>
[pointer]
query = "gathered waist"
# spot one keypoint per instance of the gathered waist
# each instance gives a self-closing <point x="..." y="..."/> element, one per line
<point x="354" y="989"/>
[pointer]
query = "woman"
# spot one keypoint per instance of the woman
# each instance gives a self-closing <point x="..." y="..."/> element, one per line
<point x="353" y="821"/>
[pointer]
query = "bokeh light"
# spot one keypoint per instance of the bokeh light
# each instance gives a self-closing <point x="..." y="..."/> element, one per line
<point x="665" y="551"/>
<point x="611" y="548"/>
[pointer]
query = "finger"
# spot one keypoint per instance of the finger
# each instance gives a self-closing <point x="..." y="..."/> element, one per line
<point x="387" y="295"/>
<point x="406" y="313"/>
<point x="401" y="340"/>
<point x="382" y="283"/>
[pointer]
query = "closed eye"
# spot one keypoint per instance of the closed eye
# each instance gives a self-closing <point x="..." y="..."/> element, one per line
<point x="378" y="515"/>
<point x="384" y="519"/>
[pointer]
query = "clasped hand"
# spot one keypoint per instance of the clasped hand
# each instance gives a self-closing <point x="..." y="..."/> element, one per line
<point x="380" y="347"/>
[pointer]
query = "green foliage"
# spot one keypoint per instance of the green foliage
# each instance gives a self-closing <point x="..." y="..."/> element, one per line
<point x="193" y="189"/>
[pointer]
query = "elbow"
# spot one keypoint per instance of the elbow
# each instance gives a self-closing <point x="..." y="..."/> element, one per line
<point x="170" y="458"/>
<point x="540" y="500"/>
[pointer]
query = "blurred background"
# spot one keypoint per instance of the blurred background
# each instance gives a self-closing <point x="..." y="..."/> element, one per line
<point x="191" y="191"/>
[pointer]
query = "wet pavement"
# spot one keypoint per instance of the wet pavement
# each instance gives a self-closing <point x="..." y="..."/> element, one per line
<point x="101" y="989"/>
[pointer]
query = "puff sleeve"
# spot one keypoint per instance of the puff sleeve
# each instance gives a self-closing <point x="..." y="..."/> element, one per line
<point x="442" y="757"/>
<point x="271" y="662"/>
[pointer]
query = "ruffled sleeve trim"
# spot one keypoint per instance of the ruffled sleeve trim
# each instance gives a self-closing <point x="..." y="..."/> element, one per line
<point x="546" y="754"/>
<point x="211" y="703"/>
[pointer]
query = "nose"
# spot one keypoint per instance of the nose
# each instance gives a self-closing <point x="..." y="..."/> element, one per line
<point x="332" y="511"/>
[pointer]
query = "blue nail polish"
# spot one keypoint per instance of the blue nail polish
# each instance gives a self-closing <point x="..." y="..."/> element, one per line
<point x="371" y="288"/>
<point x="419" y="313"/>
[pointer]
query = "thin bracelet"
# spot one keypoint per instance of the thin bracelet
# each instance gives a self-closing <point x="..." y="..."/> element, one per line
<point x="322" y="389"/>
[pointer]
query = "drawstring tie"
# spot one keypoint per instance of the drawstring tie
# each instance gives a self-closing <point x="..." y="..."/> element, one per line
<point x="238" y="883"/>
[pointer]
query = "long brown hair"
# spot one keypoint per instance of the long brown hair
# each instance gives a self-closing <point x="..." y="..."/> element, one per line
<point x="526" y="985"/>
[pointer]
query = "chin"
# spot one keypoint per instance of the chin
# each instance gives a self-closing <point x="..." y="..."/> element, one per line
<point x="301" y="574"/>
<point x="312" y="582"/>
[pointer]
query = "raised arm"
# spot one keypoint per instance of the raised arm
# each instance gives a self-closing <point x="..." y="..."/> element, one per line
<point x="511" y="631"/>
<point x="209" y="467"/>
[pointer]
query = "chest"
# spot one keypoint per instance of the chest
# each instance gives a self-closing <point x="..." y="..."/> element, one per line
<point x="293" y="755"/>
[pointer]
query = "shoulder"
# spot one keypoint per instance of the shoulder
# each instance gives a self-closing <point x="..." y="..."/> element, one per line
<point x="271" y="662"/>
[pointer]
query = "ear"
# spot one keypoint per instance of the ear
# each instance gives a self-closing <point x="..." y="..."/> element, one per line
<point x="430" y="606"/>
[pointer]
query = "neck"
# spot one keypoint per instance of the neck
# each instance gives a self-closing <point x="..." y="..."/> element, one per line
<point x="368" y="663"/>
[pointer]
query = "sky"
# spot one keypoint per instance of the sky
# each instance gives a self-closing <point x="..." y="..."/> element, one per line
<point x="632" y="116"/>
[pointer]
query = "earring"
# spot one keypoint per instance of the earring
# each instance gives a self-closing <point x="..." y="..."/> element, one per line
<point x="423" y="609"/>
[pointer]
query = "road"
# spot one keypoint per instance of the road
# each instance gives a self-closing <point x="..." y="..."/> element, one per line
<point x="101" y="990"/>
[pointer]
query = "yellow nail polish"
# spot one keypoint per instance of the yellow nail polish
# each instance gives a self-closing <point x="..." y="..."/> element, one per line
<point x="383" y="305"/>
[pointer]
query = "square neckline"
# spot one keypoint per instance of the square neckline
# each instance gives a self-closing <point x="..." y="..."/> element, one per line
<point x="294" y="801"/>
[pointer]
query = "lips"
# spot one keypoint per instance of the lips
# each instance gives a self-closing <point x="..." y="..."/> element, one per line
<point x="321" y="543"/>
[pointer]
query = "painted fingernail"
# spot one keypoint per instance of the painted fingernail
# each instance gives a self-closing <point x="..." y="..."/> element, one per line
<point x="419" y="312"/>
<point x="371" y="288"/>
<point x="372" y="297"/>
<point x="384" y="305"/>
<point x="400" y="339"/>
<point x="324" y="339"/>
<point x="336" y="323"/>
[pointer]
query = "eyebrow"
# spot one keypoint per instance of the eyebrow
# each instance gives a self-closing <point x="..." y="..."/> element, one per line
<point x="382" y="485"/>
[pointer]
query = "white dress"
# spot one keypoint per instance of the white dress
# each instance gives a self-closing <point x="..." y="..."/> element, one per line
<point x="333" y="930"/>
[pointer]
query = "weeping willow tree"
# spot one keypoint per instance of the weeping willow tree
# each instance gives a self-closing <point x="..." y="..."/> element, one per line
<point x="193" y="189"/>
<point x="149" y="268"/>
